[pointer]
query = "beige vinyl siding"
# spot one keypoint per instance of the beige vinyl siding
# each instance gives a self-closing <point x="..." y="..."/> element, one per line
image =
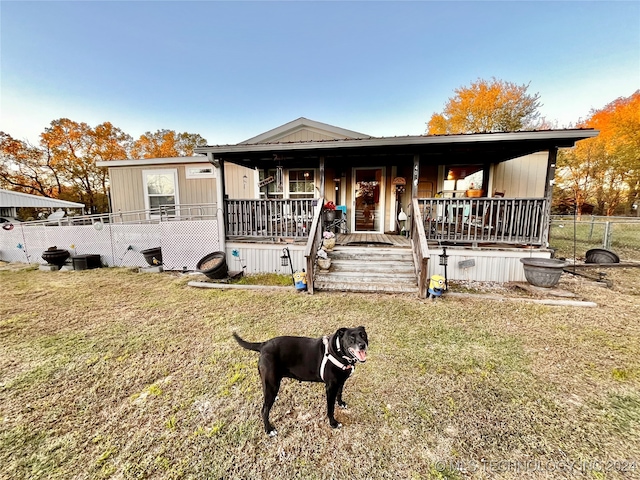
<point x="234" y="182"/>
<point x="522" y="177"/>
<point x="307" y="135"/>
<point x="127" y="189"/>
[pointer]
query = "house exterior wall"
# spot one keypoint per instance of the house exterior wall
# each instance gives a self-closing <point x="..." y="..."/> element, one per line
<point x="490" y="264"/>
<point x="263" y="257"/>
<point x="235" y="184"/>
<point x="522" y="177"/>
<point x="127" y="189"/>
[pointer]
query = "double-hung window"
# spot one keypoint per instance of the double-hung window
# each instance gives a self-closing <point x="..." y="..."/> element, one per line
<point x="160" y="190"/>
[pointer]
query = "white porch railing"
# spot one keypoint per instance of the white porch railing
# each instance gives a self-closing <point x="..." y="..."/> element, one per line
<point x="269" y="218"/>
<point x="485" y="220"/>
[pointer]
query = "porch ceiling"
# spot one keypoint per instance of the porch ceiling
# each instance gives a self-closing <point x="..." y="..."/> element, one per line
<point x="437" y="149"/>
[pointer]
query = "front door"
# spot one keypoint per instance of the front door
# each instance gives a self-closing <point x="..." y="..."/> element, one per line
<point x="368" y="203"/>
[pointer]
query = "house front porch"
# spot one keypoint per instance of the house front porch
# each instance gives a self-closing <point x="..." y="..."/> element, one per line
<point x="484" y="240"/>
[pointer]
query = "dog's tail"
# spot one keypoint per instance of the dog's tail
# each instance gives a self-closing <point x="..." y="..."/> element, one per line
<point x="248" y="345"/>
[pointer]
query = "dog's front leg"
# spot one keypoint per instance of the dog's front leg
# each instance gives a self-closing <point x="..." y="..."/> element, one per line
<point x="332" y="392"/>
<point x="341" y="403"/>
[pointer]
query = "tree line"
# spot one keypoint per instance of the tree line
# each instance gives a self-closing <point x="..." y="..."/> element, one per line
<point x="63" y="164"/>
<point x="601" y="174"/>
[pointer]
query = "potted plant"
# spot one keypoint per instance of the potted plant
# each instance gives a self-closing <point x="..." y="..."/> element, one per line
<point x="323" y="260"/>
<point x="329" y="211"/>
<point x="474" y="191"/>
<point x="328" y="240"/>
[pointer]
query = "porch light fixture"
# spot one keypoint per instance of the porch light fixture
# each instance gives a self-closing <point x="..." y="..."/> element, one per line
<point x="450" y="175"/>
<point x="284" y="259"/>
<point x="444" y="260"/>
<point x="306" y="175"/>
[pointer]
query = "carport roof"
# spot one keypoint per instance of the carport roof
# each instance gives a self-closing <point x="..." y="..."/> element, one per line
<point x="9" y="199"/>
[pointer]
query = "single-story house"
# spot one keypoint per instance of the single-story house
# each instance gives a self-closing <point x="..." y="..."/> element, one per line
<point x="484" y="197"/>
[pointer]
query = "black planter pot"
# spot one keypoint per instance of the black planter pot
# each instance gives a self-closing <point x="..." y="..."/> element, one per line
<point x="55" y="256"/>
<point x="600" y="255"/>
<point x="153" y="256"/>
<point x="213" y="265"/>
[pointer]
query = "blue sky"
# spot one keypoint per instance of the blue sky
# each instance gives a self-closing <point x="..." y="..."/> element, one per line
<point x="232" y="70"/>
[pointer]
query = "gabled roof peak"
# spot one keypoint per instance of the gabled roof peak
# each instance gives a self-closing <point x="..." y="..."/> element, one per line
<point x="302" y="123"/>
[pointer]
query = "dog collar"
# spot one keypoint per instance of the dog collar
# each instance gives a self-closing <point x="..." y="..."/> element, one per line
<point x="332" y="359"/>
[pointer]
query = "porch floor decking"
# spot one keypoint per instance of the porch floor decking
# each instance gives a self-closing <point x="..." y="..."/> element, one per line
<point x="373" y="239"/>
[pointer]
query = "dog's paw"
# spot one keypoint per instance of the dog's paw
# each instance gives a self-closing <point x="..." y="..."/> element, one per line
<point x="273" y="433"/>
<point x="335" y="424"/>
<point x="343" y="405"/>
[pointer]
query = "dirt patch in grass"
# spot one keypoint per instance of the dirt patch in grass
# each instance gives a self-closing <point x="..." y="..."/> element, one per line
<point x="108" y="373"/>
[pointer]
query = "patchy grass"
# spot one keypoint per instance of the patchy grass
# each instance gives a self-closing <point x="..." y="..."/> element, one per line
<point x="111" y="374"/>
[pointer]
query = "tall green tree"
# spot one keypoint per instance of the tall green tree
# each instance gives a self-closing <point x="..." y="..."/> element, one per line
<point x="488" y="106"/>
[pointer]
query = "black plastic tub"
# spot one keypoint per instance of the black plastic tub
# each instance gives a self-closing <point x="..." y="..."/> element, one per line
<point x="601" y="255"/>
<point x="86" y="262"/>
<point x="214" y="265"/>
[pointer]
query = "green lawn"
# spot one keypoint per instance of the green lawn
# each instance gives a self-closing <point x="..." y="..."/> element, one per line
<point x="109" y="373"/>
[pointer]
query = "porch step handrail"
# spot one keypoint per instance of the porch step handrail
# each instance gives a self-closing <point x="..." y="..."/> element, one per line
<point x="485" y="220"/>
<point x="313" y="243"/>
<point x="420" y="249"/>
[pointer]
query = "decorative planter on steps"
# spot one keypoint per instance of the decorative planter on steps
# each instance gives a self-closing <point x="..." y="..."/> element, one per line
<point x="329" y="243"/>
<point x="324" y="263"/>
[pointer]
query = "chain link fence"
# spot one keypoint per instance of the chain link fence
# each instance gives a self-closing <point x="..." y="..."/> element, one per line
<point x="572" y="237"/>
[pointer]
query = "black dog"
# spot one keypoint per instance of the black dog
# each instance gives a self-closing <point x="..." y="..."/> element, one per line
<point x="328" y="359"/>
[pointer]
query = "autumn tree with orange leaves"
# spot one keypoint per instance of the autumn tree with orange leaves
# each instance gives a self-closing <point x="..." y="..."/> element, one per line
<point x="166" y="143"/>
<point x="64" y="164"/>
<point x="605" y="170"/>
<point x="488" y="106"/>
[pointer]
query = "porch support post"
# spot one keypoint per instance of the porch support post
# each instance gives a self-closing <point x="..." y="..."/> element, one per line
<point x="221" y="206"/>
<point x="548" y="193"/>
<point x="322" y="192"/>
<point x="416" y="176"/>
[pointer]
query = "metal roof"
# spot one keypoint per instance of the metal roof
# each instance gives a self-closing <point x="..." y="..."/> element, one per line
<point x="562" y="137"/>
<point x="144" y="162"/>
<point x="433" y="149"/>
<point x="20" y="200"/>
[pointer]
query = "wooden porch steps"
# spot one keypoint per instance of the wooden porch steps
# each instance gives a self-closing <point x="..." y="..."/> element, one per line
<point x="369" y="269"/>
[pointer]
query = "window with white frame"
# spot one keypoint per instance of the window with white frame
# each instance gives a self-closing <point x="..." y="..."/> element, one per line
<point x="270" y="183"/>
<point x="301" y="183"/>
<point x="161" y="189"/>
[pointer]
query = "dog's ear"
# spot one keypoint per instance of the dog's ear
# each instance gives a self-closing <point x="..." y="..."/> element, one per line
<point x="341" y="331"/>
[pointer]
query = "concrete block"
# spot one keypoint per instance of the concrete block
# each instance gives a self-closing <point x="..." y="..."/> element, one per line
<point x="157" y="269"/>
<point x="49" y="268"/>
